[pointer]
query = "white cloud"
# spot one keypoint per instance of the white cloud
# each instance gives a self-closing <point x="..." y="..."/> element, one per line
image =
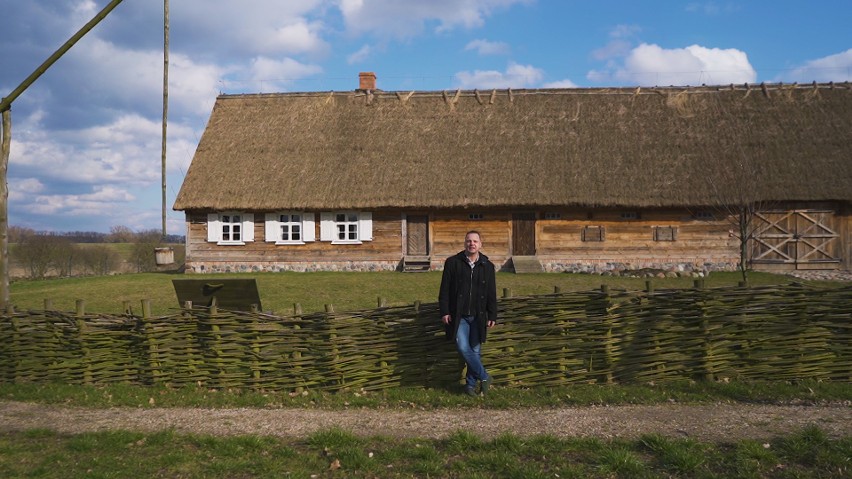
<point x="837" y="68"/>
<point x="560" y="84"/>
<point x="23" y="188"/>
<point x="619" y="44"/>
<point x="101" y="201"/>
<point x="407" y="18"/>
<point x="277" y="74"/>
<point x="362" y="54"/>
<point x="694" y="65"/>
<point x="484" y="47"/>
<point x="515" y="76"/>
<point x="297" y="37"/>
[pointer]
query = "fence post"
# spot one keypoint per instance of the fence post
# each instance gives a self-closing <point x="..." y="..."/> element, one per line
<point x="297" y="355"/>
<point x="48" y="304"/>
<point x="153" y="349"/>
<point x="608" y="324"/>
<point x="84" y="350"/>
<point x="16" y="349"/>
<point x="707" y="343"/>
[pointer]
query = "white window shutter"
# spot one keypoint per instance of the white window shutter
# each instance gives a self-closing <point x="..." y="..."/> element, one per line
<point x="309" y="231"/>
<point x="271" y="230"/>
<point x="214" y="228"/>
<point x="326" y="226"/>
<point x="248" y="227"/>
<point x="365" y="226"/>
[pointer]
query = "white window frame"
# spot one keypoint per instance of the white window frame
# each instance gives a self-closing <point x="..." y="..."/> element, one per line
<point x="273" y="225"/>
<point x="215" y="225"/>
<point x="329" y="226"/>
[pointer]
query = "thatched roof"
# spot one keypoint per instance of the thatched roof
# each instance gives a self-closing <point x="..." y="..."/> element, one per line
<point x="534" y="148"/>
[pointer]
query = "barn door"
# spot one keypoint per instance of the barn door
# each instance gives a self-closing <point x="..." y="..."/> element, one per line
<point x="417" y="231"/>
<point x="523" y="234"/>
<point x="800" y="239"/>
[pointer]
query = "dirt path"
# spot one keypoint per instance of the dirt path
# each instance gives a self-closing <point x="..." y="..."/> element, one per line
<point x="715" y="422"/>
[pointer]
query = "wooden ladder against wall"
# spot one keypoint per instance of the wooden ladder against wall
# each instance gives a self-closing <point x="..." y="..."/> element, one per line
<point x="416" y="264"/>
<point x="526" y="264"/>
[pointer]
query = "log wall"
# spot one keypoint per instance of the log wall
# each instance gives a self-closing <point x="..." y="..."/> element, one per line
<point x="702" y="242"/>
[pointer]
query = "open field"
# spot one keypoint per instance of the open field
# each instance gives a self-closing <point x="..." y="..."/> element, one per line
<point x="345" y="291"/>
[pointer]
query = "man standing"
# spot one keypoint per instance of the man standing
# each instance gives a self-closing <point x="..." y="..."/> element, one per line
<point x="468" y="302"/>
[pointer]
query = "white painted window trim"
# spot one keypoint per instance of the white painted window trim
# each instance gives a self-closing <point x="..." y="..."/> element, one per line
<point x="272" y="228"/>
<point x="214" y="228"/>
<point x="328" y="226"/>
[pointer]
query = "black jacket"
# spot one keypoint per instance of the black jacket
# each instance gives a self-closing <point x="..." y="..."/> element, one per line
<point x="463" y="287"/>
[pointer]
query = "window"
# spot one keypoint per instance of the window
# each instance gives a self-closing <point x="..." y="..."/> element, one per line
<point x="290" y="227"/>
<point x="342" y="227"/>
<point x="593" y="233"/>
<point x="630" y="215"/>
<point x="551" y="215"/>
<point x="230" y="227"/>
<point x="475" y="216"/>
<point x="665" y="233"/>
<point x="704" y="215"/>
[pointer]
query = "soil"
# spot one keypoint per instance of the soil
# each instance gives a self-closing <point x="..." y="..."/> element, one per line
<point x="726" y="422"/>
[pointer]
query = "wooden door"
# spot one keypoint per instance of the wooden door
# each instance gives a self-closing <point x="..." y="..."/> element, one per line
<point x="523" y="234"/>
<point x="800" y="239"/>
<point x="417" y="235"/>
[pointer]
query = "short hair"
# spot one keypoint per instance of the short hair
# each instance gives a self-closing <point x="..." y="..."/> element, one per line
<point x="474" y="232"/>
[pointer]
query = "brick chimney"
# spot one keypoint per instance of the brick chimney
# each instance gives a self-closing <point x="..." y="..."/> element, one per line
<point x="366" y="81"/>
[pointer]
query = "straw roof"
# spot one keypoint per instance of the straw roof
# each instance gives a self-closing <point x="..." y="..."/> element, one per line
<point x="530" y="148"/>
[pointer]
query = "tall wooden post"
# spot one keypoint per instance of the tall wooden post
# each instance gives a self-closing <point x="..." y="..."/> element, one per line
<point x="5" y="107"/>
<point x="165" y="102"/>
<point x="5" y="146"/>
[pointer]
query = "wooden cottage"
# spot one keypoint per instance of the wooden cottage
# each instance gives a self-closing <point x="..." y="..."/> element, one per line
<point x="554" y="179"/>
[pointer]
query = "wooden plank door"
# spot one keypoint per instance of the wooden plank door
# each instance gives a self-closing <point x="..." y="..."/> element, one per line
<point x="523" y="234"/>
<point x="417" y="232"/>
<point x="798" y="239"/>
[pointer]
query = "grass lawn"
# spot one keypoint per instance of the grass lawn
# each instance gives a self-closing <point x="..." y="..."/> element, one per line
<point x="345" y="291"/>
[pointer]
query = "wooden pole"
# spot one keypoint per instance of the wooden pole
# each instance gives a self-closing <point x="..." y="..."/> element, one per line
<point x="5" y="145"/>
<point x="165" y="102"/>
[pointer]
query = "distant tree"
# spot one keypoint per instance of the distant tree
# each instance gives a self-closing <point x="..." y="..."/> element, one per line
<point x="16" y="233"/>
<point x="38" y="252"/>
<point x="65" y="256"/>
<point x="98" y="259"/>
<point x="121" y="234"/>
<point x="142" y="255"/>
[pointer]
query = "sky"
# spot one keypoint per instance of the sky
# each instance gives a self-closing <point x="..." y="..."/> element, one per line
<point x="86" y="136"/>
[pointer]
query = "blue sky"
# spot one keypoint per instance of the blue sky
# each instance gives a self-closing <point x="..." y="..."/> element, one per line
<point x="86" y="136"/>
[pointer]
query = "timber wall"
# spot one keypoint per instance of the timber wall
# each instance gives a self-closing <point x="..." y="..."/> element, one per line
<point x="780" y="333"/>
<point x="701" y="245"/>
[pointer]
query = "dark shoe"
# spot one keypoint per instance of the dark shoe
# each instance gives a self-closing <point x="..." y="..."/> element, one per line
<point x="484" y="385"/>
<point x="470" y="391"/>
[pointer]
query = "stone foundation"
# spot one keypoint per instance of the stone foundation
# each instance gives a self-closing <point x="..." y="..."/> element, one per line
<point x="639" y="268"/>
<point x="608" y="268"/>
<point x="201" y="267"/>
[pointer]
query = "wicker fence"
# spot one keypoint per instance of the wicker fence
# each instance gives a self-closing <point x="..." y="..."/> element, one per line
<point x="787" y="332"/>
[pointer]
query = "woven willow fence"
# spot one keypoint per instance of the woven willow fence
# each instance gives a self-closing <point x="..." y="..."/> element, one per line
<point x="788" y="332"/>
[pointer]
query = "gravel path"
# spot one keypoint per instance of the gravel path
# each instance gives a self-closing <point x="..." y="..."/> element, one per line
<point x="715" y="422"/>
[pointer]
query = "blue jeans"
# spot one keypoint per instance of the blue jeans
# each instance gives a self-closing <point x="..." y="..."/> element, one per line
<point x="468" y="345"/>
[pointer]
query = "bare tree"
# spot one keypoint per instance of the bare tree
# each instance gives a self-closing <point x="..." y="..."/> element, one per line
<point x="735" y="184"/>
<point x="99" y="259"/>
<point x="121" y="234"/>
<point x="142" y="255"/>
<point x="37" y="253"/>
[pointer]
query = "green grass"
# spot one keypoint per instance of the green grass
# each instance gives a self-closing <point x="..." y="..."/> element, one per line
<point x="45" y="454"/>
<point x="685" y="392"/>
<point x="345" y="291"/>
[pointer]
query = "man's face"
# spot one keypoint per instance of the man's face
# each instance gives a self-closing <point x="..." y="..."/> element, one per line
<point x="472" y="243"/>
